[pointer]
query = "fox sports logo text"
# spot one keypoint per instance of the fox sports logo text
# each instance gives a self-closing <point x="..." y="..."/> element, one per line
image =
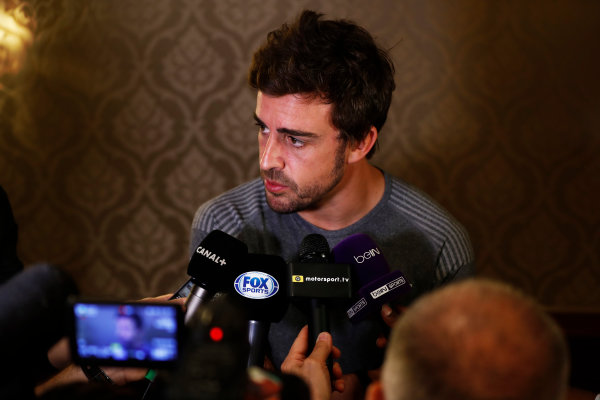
<point x="256" y="285"/>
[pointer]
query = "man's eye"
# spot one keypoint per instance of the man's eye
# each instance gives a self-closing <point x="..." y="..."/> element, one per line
<point x="262" y="128"/>
<point x="295" y="142"/>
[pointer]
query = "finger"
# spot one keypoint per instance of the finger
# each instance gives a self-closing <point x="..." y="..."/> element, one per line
<point x="388" y="315"/>
<point x="335" y="352"/>
<point x="123" y="375"/>
<point x="381" y="342"/>
<point x="322" y="347"/>
<point x="156" y="299"/>
<point x="336" y="371"/>
<point x="180" y="301"/>
<point x="297" y="352"/>
<point x="300" y="345"/>
<point x="339" y="385"/>
<point x="165" y="298"/>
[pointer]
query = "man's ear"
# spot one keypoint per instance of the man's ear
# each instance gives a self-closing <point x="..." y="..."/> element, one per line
<point x="359" y="150"/>
<point x="374" y="391"/>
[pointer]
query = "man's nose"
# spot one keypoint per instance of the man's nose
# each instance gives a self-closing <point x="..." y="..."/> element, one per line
<point x="271" y="156"/>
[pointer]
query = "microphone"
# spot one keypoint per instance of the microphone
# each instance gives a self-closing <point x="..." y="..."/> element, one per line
<point x="211" y="271"/>
<point x="316" y="277"/>
<point x="377" y="285"/>
<point x="211" y="268"/>
<point x="260" y="290"/>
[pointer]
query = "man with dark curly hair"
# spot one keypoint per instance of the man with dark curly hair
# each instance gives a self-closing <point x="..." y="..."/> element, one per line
<point x="324" y="88"/>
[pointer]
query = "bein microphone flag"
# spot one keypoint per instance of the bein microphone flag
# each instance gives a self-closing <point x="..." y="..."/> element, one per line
<point x="377" y="284"/>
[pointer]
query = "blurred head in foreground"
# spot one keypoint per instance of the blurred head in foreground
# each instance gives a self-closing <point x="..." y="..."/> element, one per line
<point x="476" y="339"/>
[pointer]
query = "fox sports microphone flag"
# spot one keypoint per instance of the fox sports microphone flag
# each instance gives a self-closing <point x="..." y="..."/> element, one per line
<point x="260" y="290"/>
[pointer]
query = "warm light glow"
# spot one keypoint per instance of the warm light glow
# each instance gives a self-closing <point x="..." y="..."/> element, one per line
<point x="15" y="37"/>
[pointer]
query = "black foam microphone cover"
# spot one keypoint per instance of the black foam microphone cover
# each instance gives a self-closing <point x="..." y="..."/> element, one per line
<point x="213" y="263"/>
<point x="315" y="249"/>
<point x="212" y="268"/>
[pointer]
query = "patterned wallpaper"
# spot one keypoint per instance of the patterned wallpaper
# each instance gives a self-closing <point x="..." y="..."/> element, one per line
<point x="125" y="115"/>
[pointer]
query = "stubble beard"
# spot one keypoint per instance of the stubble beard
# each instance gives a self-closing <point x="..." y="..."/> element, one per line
<point x="299" y="199"/>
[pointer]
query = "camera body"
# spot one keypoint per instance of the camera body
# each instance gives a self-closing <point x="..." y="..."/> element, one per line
<point x="204" y="359"/>
<point x="213" y="366"/>
<point x="134" y="334"/>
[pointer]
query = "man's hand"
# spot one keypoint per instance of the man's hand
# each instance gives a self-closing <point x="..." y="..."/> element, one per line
<point x="59" y="356"/>
<point x="313" y="369"/>
<point x="164" y="298"/>
<point x="389" y="315"/>
<point x="125" y="375"/>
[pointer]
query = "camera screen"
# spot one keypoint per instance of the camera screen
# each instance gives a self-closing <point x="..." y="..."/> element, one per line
<point x="136" y="334"/>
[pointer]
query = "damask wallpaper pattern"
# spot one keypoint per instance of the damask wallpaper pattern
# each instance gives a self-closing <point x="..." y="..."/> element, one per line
<point x="128" y="114"/>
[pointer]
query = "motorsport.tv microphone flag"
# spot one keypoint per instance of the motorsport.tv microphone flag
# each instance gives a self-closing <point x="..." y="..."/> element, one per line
<point x="317" y="279"/>
<point x="377" y="285"/>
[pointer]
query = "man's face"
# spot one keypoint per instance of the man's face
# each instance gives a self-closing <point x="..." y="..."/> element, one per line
<point x="302" y="158"/>
<point x="126" y="329"/>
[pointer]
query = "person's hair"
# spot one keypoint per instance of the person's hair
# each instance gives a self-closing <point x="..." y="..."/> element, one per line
<point x="335" y="61"/>
<point x="476" y="340"/>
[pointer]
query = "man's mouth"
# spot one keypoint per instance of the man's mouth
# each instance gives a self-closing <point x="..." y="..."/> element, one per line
<point x="273" y="186"/>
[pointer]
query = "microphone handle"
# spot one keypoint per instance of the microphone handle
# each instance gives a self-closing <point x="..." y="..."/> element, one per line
<point x="257" y="336"/>
<point x="197" y="297"/>
<point x="318" y="322"/>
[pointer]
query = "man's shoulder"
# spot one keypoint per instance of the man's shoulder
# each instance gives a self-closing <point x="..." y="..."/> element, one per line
<point x="251" y="191"/>
<point x="414" y="201"/>
<point x="425" y="212"/>
<point x="231" y="207"/>
<point x="432" y="219"/>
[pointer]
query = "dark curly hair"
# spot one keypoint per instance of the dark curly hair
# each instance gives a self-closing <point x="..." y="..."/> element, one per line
<point x="335" y="60"/>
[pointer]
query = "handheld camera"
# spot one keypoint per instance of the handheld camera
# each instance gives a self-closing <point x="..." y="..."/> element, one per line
<point x="126" y="333"/>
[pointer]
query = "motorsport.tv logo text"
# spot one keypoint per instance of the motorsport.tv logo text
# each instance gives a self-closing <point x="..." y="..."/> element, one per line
<point x="324" y="279"/>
